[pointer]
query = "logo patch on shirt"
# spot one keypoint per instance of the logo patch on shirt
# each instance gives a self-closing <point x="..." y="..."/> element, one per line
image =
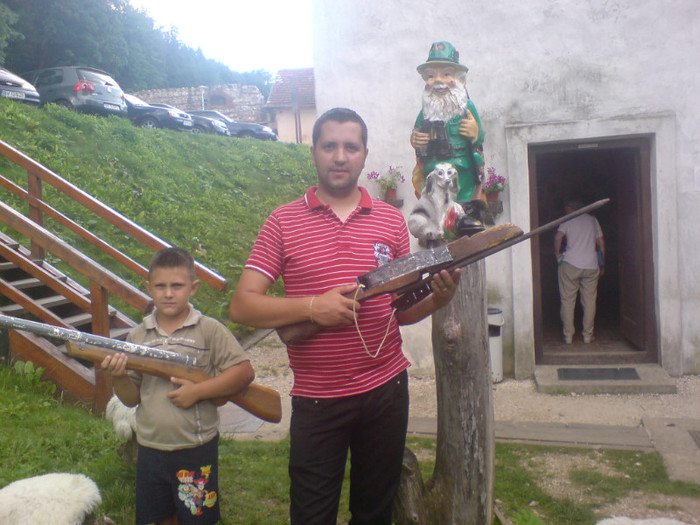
<point x="382" y="253"/>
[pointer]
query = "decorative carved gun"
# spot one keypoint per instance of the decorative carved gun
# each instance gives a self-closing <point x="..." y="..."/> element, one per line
<point x="260" y="401"/>
<point x="409" y="277"/>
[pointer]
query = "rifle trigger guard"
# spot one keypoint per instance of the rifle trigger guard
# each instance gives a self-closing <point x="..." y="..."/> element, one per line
<point x="405" y="301"/>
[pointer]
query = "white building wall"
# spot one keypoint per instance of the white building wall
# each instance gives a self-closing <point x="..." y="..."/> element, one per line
<point x="286" y="122"/>
<point x="540" y="71"/>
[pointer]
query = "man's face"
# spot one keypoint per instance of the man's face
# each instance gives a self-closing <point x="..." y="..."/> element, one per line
<point x="171" y="289"/>
<point x="440" y="79"/>
<point x="339" y="156"/>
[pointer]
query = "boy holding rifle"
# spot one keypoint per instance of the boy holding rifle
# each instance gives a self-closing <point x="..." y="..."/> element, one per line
<point x="177" y="419"/>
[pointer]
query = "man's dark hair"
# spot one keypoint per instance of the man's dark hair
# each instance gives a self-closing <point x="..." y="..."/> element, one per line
<point x="575" y="203"/>
<point x="340" y="115"/>
<point x="173" y="258"/>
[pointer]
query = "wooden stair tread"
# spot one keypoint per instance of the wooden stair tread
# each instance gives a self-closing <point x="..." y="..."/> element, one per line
<point x="28" y="282"/>
<point x="46" y="302"/>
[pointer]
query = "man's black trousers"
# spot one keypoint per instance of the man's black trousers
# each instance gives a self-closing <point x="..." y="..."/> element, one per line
<point x="373" y="427"/>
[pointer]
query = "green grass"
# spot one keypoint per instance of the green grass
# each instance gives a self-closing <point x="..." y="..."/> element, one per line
<point x="41" y="434"/>
<point x="211" y="195"/>
<point x="205" y="193"/>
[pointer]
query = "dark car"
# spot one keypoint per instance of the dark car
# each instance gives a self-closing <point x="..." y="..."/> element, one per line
<point x="208" y="125"/>
<point x="146" y="115"/>
<point x="85" y="89"/>
<point x="15" y="87"/>
<point x="238" y="129"/>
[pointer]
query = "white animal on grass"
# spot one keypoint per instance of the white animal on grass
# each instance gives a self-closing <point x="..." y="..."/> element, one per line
<point x="437" y="198"/>
<point x="51" y="499"/>
<point x="122" y="417"/>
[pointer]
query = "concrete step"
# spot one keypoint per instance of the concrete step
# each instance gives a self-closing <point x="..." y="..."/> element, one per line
<point x="554" y="434"/>
<point x="604" y="379"/>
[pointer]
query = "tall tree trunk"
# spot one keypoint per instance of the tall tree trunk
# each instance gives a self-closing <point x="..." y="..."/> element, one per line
<point x="461" y="489"/>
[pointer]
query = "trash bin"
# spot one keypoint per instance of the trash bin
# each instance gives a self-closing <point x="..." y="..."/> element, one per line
<point x="496" y="343"/>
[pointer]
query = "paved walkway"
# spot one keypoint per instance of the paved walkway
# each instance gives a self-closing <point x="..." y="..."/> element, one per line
<point x="677" y="440"/>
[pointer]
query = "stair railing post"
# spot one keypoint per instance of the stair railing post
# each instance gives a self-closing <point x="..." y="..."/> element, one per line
<point x="99" y="299"/>
<point x="35" y="214"/>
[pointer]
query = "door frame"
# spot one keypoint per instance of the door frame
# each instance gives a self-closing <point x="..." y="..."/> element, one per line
<point x="517" y="304"/>
<point x="639" y="148"/>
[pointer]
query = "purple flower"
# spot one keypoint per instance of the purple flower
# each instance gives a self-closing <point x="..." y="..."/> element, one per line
<point x="494" y="182"/>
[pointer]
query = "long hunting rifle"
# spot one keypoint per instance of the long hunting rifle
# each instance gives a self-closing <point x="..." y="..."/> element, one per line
<point x="260" y="401"/>
<point x="409" y="277"/>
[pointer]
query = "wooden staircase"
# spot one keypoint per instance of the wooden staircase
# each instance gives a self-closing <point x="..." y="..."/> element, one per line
<point x="32" y="288"/>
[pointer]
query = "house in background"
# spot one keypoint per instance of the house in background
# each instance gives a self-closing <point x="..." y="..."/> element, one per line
<point x="292" y="105"/>
<point x="574" y="96"/>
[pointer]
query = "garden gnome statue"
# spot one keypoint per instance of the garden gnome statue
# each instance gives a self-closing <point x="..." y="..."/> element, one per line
<point x="448" y="130"/>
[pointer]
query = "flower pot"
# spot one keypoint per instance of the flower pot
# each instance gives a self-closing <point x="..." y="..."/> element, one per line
<point x="390" y="194"/>
<point x="492" y="197"/>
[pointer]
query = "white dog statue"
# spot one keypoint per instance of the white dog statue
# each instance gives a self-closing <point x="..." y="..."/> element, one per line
<point x="437" y="201"/>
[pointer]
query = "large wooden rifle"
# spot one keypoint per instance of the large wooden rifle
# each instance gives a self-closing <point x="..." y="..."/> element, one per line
<point x="260" y="401"/>
<point x="409" y="277"/>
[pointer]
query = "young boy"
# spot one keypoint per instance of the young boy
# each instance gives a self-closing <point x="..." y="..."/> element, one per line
<point x="177" y="421"/>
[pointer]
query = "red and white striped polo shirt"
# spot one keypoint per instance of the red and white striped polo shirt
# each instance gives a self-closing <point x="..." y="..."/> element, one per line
<point x="306" y="244"/>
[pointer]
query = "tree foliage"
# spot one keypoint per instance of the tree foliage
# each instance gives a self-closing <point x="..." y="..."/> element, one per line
<point x="110" y="35"/>
<point x="7" y="19"/>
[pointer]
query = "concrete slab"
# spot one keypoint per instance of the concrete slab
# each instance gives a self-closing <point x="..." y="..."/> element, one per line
<point x="652" y="379"/>
<point x="236" y="423"/>
<point x="554" y="434"/>
<point x="674" y="441"/>
<point x="233" y="420"/>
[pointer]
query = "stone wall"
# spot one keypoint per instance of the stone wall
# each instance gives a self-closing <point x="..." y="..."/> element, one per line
<point x="240" y="102"/>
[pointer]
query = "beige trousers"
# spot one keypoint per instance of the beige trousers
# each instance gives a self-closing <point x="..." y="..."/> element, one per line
<point x="572" y="281"/>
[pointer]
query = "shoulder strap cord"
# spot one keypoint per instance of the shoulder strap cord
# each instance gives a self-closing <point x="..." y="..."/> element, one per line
<point x="357" y="326"/>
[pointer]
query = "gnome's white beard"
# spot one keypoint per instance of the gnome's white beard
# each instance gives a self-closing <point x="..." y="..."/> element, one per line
<point x="444" y="107"/>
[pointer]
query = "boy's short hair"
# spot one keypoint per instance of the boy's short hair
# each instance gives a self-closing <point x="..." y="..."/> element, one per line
<point x="173" y="258"/>
<point x="340" y="115"/>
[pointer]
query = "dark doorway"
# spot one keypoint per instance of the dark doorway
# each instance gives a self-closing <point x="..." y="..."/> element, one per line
<point x="625" y="319"/>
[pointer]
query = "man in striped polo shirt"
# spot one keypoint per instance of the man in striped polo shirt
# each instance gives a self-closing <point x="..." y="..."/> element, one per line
<point x="350" y="382"/>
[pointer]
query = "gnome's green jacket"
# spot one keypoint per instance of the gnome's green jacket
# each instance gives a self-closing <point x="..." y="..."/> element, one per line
<point x="461" y="159"/>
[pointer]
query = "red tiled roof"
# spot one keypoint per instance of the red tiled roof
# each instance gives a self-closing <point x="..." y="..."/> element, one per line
<point x="291" y="82"/>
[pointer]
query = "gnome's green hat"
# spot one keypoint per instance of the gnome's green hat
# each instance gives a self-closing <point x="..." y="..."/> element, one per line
<point x="442" y="53"/>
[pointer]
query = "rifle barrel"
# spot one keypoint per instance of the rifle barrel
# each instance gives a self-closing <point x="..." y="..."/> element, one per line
<point x="525" y="236"/>
<point x="76" y="336"/>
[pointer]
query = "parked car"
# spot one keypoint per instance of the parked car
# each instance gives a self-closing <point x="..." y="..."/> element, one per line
<point x="208" y="125"/>
<point x="15" y="87"/>
<point x="146" y="115"/>
<point x="238" y="129"/>
<point x="84" y="89"/>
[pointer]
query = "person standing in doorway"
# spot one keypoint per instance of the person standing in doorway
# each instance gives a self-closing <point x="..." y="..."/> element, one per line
<point x="580" y="267"/>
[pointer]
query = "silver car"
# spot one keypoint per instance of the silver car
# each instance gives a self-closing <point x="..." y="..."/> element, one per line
<point x="84" y="89"/>
<point x="16" y="88"/>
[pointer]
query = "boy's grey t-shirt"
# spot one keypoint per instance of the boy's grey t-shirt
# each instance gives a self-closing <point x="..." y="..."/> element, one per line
<point x="159" y="423"/>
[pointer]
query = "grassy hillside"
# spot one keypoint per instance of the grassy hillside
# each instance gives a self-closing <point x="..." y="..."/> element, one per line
<point x="205" y="193"/>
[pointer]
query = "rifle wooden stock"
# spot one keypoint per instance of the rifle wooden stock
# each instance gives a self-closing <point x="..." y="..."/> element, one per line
<point x="260" y="401"/>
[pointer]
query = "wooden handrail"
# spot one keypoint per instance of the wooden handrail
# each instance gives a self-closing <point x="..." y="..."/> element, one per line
<point x="90" y="237"/>
<point x="75" y="259"/>
<point x="102" y="210"/>
<point x="45" y="277"/>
